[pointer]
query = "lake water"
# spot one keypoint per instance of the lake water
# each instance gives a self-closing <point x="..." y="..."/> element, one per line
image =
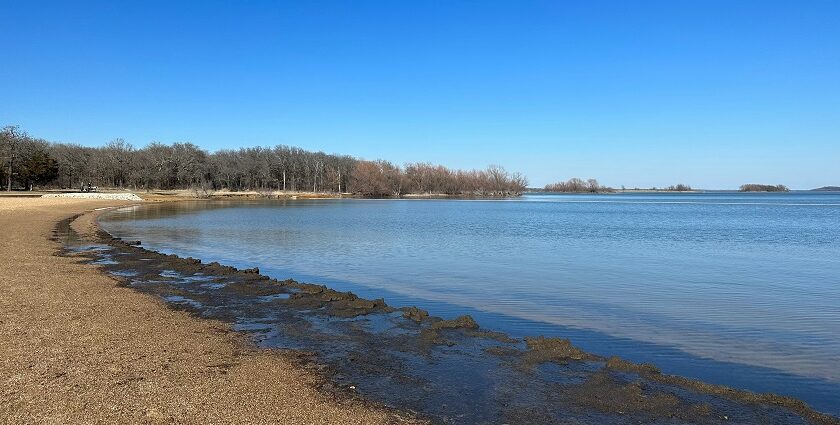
<point x="736" y="289"/>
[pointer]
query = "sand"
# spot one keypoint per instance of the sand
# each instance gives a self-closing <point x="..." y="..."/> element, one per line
<point x="77" y="348"/>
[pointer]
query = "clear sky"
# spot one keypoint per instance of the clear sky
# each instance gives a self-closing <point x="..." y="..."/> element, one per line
<point x="636" y="93"/>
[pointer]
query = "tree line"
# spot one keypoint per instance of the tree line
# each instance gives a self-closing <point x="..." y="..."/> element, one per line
<point x="28" y="162"/>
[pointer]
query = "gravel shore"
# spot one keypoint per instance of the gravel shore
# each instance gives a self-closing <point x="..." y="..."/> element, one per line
<point x="77" y="348"/>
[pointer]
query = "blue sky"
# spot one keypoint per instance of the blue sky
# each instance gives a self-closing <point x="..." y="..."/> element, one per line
<point x="644" y="93"/>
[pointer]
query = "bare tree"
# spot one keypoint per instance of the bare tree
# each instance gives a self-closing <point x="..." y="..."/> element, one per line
<point x="10" y="141"/>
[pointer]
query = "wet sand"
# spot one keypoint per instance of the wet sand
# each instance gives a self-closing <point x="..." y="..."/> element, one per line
<point x="76" y="347"/>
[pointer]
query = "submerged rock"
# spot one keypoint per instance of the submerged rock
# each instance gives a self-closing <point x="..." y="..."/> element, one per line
<point x="415" y="314"/>
<point x="606" y="393"/>
<point x="433" y="334"/>
<point x="560" y="350"/>
<point x="619" y="364"/>
<point x="462" y="322"/>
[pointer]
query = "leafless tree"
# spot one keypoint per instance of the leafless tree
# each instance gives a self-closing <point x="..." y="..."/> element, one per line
<point x="11" y="138"/>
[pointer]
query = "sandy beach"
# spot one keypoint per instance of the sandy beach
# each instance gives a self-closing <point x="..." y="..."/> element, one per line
<point x="75" y="347"/>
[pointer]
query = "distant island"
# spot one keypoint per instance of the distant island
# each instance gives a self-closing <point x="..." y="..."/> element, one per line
<point x="763" y="188"/>
<point x="577" y="185"/>
<point x="679" y="188"/>
<point x="827" y="189"/>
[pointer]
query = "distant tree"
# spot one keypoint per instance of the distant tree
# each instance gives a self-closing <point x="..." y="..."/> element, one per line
<point x="114" y="160"/>
<point x="73" y="163"/>
<point x="25" y="160"/>
<point x="11" y="138"/>
<point x="37" y="167"/>
<point x="377" y="178"/>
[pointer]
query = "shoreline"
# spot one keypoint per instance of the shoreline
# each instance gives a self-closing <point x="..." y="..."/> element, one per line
<point x="77" y="346"/>
<point x="539" y="350"/>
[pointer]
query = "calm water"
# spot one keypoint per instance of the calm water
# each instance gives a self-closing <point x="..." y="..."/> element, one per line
<point x="738" y="289"/>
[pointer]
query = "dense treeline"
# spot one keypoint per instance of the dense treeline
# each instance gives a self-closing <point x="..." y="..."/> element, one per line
<point x="764" y="188"/>
<point x="576" y="185"/>
<point x="28" y="162"/>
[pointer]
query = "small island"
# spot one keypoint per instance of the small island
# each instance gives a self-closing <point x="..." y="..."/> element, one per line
<point x="679" y="188"/>
<point x="576" y="185"/>
<point x="763" y="188"/>
<point x="827" y="189"/>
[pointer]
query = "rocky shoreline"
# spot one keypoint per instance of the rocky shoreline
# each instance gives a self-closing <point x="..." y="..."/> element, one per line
<point x="76" y="346"/>
<point x="364" y="343"/>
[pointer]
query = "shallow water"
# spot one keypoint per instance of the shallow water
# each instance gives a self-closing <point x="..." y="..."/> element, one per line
<point x="737" y="289"/>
